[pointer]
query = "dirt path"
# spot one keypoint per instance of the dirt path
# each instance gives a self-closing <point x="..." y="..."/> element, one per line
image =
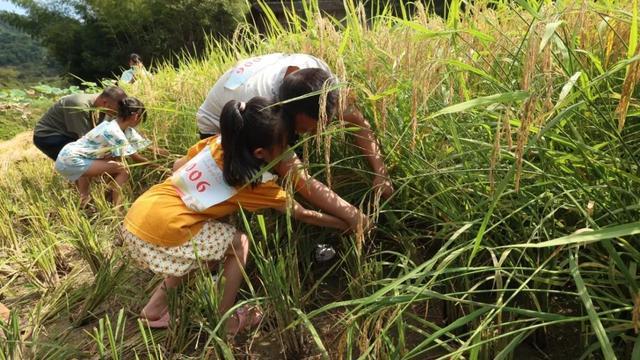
<point x="17" y="149"/>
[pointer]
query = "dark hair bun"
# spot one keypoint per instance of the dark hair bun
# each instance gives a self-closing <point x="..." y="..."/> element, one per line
<point x="129" y="106"/>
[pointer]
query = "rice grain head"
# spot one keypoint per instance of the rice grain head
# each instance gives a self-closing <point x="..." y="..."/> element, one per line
<point x="523" y="136"/>
<point x="628" y="86"/>
<point x="495" y="155"/>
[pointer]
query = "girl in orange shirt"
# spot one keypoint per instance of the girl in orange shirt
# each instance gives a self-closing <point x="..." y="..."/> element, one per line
<point x="175" y="225"/>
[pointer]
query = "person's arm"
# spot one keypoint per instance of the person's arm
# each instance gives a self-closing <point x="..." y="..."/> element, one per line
<point x="319" y="195"/>
<point x="179" y="163"/>
<point x="193" y="151"/>
<point x="139" y="159"/>
<point x="365" y="140"/>
<point x="316" y="218"/>
<point x="157" y="150"/>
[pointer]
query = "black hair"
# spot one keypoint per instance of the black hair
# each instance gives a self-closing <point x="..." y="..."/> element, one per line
<point x="113" y="93"/>
<point x="244" y="128"/>
<point x="129" y="106"/>
<point x="302" y="82"/>
<point x="135" y="58"/>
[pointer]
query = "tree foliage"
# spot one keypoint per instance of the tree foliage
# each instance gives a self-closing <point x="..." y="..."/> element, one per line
<point x="93" y="38"/>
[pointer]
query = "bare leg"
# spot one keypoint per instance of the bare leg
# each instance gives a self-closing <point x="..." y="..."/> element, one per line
<point x="156" y="310"/>
<point x="83" y="184"/>
<point x="118" y="181"/>
<point x="115" y="169"/>
<point x="234" y="262"/>
<point x="158" y="304"/>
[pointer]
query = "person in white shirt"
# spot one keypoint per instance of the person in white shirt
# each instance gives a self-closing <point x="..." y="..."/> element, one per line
<point x="286" y="76"/>
<point x="257" y="76"/>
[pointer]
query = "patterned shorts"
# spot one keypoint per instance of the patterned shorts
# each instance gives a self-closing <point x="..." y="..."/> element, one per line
<point x="210" y="243"/>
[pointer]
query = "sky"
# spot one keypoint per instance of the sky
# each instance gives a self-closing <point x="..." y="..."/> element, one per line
<point x="7" y="6"/>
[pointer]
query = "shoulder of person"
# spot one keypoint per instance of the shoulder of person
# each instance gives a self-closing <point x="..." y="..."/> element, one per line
<point x="106" y="125"/>
<point x="133" y="134"/>
<point x="78" y="99"/>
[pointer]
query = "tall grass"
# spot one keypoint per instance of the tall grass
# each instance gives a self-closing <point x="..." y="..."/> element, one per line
<point x="508" y="128"/>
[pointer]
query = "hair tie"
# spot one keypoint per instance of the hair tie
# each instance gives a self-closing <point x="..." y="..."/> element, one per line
<point x="241" y="106"/>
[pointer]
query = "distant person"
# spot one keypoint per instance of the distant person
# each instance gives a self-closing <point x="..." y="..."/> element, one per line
<point x="136" y="70"/>
<point x="72" y="117"/>
<point x="287" y="76"/>
<point x="97" y="152"/>
<point x="179" y="224"/>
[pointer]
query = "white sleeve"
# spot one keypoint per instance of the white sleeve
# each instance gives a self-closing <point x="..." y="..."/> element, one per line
<point x="208" y="115"/>
<point x="208" y="122"/>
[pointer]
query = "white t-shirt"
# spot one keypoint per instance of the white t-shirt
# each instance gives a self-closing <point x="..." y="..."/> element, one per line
<point x="257" y="76"/>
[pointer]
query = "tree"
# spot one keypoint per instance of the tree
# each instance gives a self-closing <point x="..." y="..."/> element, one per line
<point x="93" y="38"/>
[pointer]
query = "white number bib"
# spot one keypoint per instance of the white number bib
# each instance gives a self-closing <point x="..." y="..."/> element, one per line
<point x="246" y="69"/>
<point x="200" y="182"/>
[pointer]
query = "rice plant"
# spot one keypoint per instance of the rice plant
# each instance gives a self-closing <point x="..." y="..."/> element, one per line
<point x="510" y="131"/>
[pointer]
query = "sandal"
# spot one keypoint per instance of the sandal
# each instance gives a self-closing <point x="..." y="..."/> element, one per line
<point x="248" y="317"/>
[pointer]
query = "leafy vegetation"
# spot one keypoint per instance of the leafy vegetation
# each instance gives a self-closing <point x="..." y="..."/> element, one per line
<point x="510" y="130"/>
<point x="20" y="109"/>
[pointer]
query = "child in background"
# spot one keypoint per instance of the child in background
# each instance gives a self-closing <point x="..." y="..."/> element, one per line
<point x="96" y="153"/>
<point x="136" y="70"/>
<point x="176" y="224"/>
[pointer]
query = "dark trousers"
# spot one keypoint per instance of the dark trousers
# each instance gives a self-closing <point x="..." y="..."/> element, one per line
<point x="51" y="145"/>
<point x="204" y="136"/>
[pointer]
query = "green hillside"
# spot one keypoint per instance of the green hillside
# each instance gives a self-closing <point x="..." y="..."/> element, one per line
<point x="22" y="59"/>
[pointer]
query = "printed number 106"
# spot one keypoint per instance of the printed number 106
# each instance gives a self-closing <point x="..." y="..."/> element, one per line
<point x="193" y="175"/>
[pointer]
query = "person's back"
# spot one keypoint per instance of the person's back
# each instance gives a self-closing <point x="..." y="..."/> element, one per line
<point x="69" y="116"/>
<point x="257" y="76"/>
<point x="107" y="139"/>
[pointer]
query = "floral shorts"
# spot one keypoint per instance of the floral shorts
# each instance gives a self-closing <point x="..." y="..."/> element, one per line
<point x="210" y="243"/>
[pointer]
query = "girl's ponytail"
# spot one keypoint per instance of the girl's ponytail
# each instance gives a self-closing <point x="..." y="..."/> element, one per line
<point x="245" y="128"/>
<point x="122" y="108"/>
<point x="237" y="162"/>
<point x="129" y="106"/>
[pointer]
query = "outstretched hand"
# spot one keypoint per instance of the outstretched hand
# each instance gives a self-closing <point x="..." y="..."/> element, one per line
<point x="160" y="151"/>
<point x="361" y="222"/>
<point x="383" y="185"/>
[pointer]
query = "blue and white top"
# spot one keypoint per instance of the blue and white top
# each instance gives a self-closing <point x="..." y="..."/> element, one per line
<point x="106" y="139"/>
<point x="127" y="76"/>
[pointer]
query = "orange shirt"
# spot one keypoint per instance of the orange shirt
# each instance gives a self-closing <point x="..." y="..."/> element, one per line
<point x="160" y="217"/>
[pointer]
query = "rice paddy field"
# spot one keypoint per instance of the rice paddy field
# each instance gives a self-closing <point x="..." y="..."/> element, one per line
<point x="511" y="132"/>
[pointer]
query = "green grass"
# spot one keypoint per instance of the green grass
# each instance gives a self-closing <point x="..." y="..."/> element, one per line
<point x="501" y="127"/>
<point x="16" y="117"/>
